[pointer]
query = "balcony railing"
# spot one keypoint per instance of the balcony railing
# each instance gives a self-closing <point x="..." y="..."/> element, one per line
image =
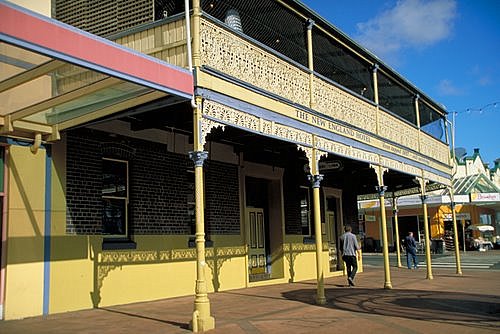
<point x="255" y="64"/>
<point x="229" y="53"/>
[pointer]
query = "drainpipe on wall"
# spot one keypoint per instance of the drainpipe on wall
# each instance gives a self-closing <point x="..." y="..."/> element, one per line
<point x="188" y="45"/>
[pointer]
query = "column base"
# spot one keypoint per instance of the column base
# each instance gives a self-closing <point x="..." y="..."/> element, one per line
<point x="198" y="324"/>
<point x="321" y="300"/>
<point x="388" y="285"/>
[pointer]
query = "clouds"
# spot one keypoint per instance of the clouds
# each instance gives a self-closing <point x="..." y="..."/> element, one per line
<point x="447" y="87"/>
<point x="412" y="24"/>
<point x="478" y="78"/>
<point x="481" y="76"/>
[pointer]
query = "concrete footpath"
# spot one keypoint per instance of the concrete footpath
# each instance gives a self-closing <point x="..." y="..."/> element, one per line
<point x="447" y="304"/>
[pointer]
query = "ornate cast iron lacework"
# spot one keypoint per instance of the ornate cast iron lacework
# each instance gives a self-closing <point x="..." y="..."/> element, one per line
<point x="431" y="148"/>
<point x="399" y="166"/>
<point x="436" y="178"/>
<point x="340" y="105"/>
<point x="207" y="126"/>
<point x="229" y="115"/>
<point x="347" y="151"/>
<point x="243" y="60"/>
<point x="397" y="131"/>
<point x="231" y="54"/>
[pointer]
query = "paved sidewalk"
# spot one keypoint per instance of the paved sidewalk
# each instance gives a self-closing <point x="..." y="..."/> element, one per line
<point x="446" y="304"/>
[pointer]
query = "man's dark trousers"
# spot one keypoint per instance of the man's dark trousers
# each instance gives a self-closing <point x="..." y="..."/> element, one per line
<point x="351" y="264"/>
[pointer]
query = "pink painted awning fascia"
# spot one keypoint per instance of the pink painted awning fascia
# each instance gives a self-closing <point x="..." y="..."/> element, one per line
<point x="37" y="33"/>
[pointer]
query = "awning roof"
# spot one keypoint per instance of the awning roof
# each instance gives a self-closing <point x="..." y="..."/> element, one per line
<point x="477" y="183"/>
<point x="54" y="76"/>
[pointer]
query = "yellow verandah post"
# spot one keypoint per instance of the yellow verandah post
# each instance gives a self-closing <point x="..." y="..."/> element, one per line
<point x="423" y="197"/>
<point x="381" y="189"/>
<point x="315" y="178"/>
<point x="396" y="225"/>
<point x="455" y="232"/>
<point x="201" y="320"/>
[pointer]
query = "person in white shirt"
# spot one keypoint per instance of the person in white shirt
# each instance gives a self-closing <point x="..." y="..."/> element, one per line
<point x="350" y="253"/>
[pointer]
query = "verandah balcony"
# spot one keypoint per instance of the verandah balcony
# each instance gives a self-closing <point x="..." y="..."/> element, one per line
<point x="343" y="86"/>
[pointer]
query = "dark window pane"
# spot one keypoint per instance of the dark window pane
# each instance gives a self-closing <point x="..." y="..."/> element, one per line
<point x="339" y="64"/>
<point x="266" y="21"/>
<point x="396" y="99"/>
<point x="114" y="178"/>
<point x="431" y="122"/>
<point x="304" y="210"/>
<point x="114" y="216"/>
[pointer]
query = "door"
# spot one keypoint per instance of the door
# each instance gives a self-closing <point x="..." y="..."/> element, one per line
<point x="332" y="237"/>
<point x="256" y="241"/>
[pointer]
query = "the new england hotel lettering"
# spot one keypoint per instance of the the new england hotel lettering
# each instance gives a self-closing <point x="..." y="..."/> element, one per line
<point x="219" y="191"/>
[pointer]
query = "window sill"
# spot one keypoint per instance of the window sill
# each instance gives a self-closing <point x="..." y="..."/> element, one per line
<point x="117" y="244"/>
<point x="192" y="243"/>
<point x="309" y="240"/>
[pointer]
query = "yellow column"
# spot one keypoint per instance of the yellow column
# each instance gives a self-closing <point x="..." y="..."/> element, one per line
<point x="396" y="224"/>
<point x="201" y="320"/>
<point x="196" y="34"/>
<point x="385" y="248"/>
<point x="455" y="232"/>
<point x="381" y="189"/>
<point x="316" y="179"/>
<point x="375" y="95"/>
<point x="423" y="197"/>
<point x="310" y="24"/>
<point x="417" y="116"/>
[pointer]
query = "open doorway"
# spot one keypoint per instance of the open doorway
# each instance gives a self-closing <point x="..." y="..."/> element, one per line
<point x="332" y="225"/>
<point x="257" y="228"/>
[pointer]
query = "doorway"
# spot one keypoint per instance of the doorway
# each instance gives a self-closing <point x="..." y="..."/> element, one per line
<point x="257" y="249"/>
<point x="257" y="228"/>
<point x="333" y="225"/>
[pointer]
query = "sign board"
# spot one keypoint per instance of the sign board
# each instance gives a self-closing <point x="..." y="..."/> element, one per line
<point x="330" y="165"/>
<point x="460" y="216"/>
<point x="370" y="218"/>
<point x="485" y="197"/>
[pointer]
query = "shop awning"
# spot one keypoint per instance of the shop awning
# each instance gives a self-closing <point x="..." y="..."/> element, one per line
<point x="481" y="228"/>
<point x="54" y="76"/>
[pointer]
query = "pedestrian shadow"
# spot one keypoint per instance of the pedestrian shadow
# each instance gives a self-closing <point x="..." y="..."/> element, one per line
<point x="463" y="309"/>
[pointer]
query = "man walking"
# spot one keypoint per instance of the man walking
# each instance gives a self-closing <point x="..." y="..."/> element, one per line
<point x="350" y="253"/>
<point x="411" y="251"/>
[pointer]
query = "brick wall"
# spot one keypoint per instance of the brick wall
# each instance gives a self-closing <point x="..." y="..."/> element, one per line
<point x="158" y="191"/>
<point x="222" y="214"/>
<point x="83" y="185"/>
<point x="291" y="194"/>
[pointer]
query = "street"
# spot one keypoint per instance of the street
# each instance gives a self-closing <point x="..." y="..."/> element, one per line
<point x="489" y="260"/>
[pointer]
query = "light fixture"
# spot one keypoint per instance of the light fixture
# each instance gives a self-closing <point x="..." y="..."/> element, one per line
<point x="233" y="20"/>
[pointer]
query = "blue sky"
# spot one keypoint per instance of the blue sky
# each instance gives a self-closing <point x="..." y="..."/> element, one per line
<point x="449" y="49"/>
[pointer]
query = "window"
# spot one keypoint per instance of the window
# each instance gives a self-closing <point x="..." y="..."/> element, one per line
<point x="305" y="211"/>
<point x="115" y="198"/>
<point x="485" y="219"/>
<point x="395" y="98"/>
<point x="431" y="122"/>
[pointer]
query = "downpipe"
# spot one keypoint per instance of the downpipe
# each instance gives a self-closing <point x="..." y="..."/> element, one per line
<point x="188" y="45"/>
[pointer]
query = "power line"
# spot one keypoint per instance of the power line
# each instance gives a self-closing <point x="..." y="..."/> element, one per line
<point x="490" y="107"/>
